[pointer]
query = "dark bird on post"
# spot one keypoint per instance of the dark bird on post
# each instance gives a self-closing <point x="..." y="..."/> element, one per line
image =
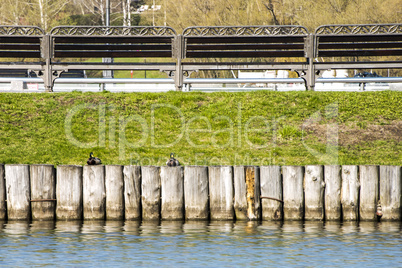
<point x="172" y="162"/>
<point x="93" y="160"/>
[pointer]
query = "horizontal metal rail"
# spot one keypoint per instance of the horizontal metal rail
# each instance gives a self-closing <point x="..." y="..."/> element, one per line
<point x="203" y="80"/>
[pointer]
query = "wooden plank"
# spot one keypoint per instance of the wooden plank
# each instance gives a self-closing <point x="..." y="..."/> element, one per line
<point x="34" y="47"/>
<point x="243" y="54"/>
<point x="369" y="183"/>
<point x="3" y="204"/>
<point x="247" y="192"/>
<point x="18" y="192"/>
<point x="333" y="182"/>
<point x="132" y="192"/>
<point x="314" y="187"/>
<point x="151" y="192"/>
<point x="172" y="190"/>
<point x="221" y="192"/>
<point x="111" y="39"/>
<point x="271" y="192"/>
<point x="43" y="192"/>
<point x="100" y="47"/>
<point x="20" y="54"/>
<point x="293" y="194"/>
<point x="250" y="46"/>
<point x="196" y="193"/>
<point x="361" y="53"/>
<point x="113" y="54"/>
<point x="358" y="45"/>
<point x="240" y="192"/>
<point x="360" y="38"/>
<point x="114" y="182"/>
<point x="244" y="39"/>
<point x="94" y="193"/>
<point x="20" y="39"/>
<point x="69" y="192"/>
<point x="350" y="193"/>
<point x="391" y="193"/>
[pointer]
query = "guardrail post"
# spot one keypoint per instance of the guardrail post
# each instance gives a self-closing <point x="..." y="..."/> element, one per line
<point x="309" y="51"/>
<point x="179" y="54"/>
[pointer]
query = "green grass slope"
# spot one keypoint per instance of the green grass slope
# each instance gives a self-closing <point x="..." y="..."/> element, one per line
<point x="247" y="128"/>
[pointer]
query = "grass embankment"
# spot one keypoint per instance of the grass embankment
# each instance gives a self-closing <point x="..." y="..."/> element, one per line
<point x="259" y="128"/>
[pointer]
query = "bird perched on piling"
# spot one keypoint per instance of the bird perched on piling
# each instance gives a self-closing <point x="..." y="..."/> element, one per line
<point x="172" y="162"/>
<point x="93" y="160"/>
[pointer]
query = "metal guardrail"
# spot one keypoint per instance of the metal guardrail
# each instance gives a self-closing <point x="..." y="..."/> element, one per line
<point x="49" y="70"/>
<point x="189" y="82"/>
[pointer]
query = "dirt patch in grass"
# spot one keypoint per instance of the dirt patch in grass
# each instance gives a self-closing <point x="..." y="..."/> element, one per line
<point x="357" y="133"/>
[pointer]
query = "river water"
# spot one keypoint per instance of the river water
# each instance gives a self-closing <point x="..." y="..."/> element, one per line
<point x="198" y="244"/>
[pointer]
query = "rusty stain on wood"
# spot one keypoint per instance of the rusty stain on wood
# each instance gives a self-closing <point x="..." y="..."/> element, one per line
<point x="250" y="186"/>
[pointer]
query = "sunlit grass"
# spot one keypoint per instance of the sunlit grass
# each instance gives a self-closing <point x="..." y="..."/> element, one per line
<point x="247" y="128"/>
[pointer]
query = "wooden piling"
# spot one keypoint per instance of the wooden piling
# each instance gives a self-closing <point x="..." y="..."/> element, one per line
<point x="3" y="205"/>
<point x="196" y="192"/>
<point x="94" y="193"/>
<point x="114" y="192"/>
<point x="247" y="192"/>
<point x="221" y="192"/>
<point x="391" y="193"/>
<point x="150" y="192"/>
<point x="333" y="183"/>
<point x="271" y="192"/>
<point x="69" y="192"/>
<point x="172" y="190"/>
<point x="369" y="182"/>
<point x="350" y="193"/>
<point x="132" y="192"/>
<point x="293" y="194"/>
<point x="18" y="192"/>
<point x="43" y="192"/>
<point x="314" y="186"/>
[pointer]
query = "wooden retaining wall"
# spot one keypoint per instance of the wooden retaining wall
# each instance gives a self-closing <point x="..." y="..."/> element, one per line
<point x="115" y="192"/>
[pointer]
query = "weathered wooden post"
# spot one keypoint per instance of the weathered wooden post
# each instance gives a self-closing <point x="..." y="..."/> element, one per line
<point x="69" y="192"/>
<point x="247" y="192"/>
<point x="368" y="192"/>
<point x="196" y="193"/>
<point x="18" y="192"/>
<point x="172" y="180"/>
<point x="114" y="192"/>
<point x="271" y="193"/>
<point x="3" y="205"/>
<point x="333" y="183"/>
<point x="43" y="192"/>
<point x="293" y="194"/>
<point x="314" y="186"/>
<point x="132" y="192"/>
<point x="350" y="193"/>
<point x="221" y="192"/>
<point x="151" y="192"/>
<point x="391" y="192"/>
<point x="94" y="193"/>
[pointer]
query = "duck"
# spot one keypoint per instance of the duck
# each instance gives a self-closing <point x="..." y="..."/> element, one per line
<point x="172" y="162"/>
<point x="93" y="160"/>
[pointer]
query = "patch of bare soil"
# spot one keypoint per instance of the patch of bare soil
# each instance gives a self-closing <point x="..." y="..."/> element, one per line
<point x="350" y="134"/>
